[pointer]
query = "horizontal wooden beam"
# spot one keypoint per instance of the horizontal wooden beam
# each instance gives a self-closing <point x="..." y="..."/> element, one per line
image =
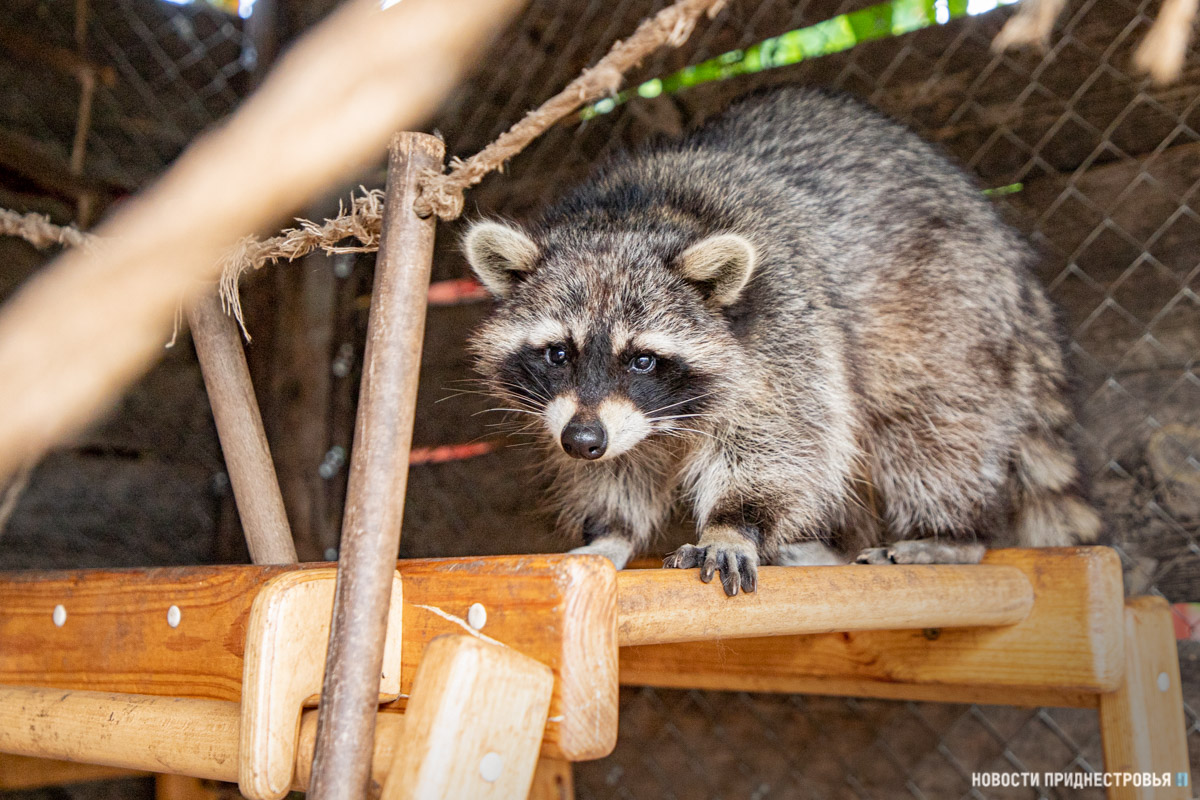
<point x="178" y="736"/>
<point x="1067" y="650"/>
<point x="116" y="634"/>
<point x="663" y="606"/>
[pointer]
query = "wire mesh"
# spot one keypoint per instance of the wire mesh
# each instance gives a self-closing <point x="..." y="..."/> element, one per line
<point x="1099" y="167"/>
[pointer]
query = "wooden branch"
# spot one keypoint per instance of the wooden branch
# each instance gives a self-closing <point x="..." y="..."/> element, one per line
<point x="661" y="606"/>
<point x="38" y="51"/>
<point x="558" y="610"/>
<point x="378" y="475"/>
<point x="474" y="723"/>
<point x="329" y="107"/>
<point x="240" y="429"/>
<point x="1071" y="645"/>
<point x="1142" y="723"/>
<point x="553" y="780"/>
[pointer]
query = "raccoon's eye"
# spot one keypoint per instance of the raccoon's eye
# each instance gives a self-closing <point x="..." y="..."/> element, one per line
<point x="556" y="355"/>
<point x="643" y="363"/>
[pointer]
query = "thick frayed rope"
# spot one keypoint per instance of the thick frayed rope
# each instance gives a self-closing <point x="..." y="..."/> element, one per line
<point x="362" y="223"/>
<point x="443" y="194"/>
<point x="39" y="231"/>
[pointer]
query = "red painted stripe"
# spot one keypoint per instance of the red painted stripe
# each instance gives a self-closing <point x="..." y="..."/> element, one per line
<point x="449" y="452"/>
<point x="456" y="292"/>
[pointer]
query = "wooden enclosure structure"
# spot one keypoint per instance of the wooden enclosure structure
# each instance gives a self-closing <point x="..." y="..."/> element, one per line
<point x="480" y="677"/>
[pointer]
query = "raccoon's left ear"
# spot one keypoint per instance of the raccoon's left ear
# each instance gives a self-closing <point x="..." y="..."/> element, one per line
<point x="498" y="254"/>
<point x="721" y="265"/>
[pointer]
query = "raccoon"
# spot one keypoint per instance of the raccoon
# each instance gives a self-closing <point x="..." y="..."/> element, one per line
<point x="803" y="322"/>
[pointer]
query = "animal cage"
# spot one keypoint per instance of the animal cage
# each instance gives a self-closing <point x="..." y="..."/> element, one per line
<point x="1098" y="164"/>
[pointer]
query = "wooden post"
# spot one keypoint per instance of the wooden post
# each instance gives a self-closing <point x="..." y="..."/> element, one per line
<point x="473" y="725"/>
<point x="1142" y="723"/>
<point x="378" y="474"/>
<point x="240" y="429"/>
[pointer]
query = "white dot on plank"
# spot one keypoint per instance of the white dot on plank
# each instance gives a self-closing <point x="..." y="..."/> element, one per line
<point x="60" y="616"/>
<point x="1164" y="682"/>
<point x="490" y="767"/>
<point x="476" y="616"/>
<point x="173" y="616"/>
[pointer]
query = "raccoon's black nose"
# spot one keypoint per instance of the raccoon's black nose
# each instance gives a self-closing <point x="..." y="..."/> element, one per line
<point x="584" y="440"/>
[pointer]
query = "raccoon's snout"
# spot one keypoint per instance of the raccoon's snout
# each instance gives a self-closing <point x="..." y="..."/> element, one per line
<point x="584" y="440"/>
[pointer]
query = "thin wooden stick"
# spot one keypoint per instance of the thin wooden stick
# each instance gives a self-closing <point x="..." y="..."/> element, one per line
<point x="90" y="323"/>
<point x="378" y="474"/>
<point x="240" y="429"/>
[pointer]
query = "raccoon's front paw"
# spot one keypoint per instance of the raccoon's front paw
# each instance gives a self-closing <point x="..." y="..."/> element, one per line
<point x="923" y="551"/>
<point x="729" y="552"/>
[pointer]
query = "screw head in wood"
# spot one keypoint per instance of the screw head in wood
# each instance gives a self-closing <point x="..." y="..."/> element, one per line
<point x="476" y="616"/>
<point x="490" y="767"/>
<point x="1164" y="682"/>
<point x="173" y="616"/>
<point x="59" y="616"/>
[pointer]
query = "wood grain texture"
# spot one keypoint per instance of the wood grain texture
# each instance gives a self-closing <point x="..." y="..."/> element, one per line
<point x="378" y="474"/>
<point x="240" y="429"/>
<point x="663" y="606"/>
<point x="1142" y="723"/>
<point x="283" y="670"/>
<point x="559" y="610"/>
<point x="474" y="725"/>
<point x="163" y="734"/>
<point x="1070" y="645"/>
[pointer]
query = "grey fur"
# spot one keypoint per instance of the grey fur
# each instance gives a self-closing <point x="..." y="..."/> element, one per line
<point x="890" y="371"/>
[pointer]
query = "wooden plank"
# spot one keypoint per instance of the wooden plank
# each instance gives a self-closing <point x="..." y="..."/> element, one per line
<point x="559" y="610"/>
<point x="662" y="606"/>
<point x="378" y="475"/>
<point x="1070" y="645"/>
<point x="1142" y="723"/>
<point x="474" y="725"/>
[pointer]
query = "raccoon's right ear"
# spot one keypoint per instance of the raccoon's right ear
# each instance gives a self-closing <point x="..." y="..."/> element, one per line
<point x="721" y="265"/>
<point x="498" y="254"/>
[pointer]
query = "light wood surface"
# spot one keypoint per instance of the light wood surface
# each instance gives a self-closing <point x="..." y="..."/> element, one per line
<point x="109" y="735"/>
<point x="378" y="474"/>
<point x="474" y="724"/>
<point x="89" y="323"/>
<point x="662" y="606"/>
<point x="240" y="429"/>
<point x="559" y="610"/>
<point x="552" y="780"/>
<point x="163" y="734"/>
<point x="1142" y="723"/>
<point x="286" y="640"/>
<point x="1070" y="645"/>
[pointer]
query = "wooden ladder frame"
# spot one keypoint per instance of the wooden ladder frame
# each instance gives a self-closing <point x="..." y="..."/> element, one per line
<point x="207" y="671"/>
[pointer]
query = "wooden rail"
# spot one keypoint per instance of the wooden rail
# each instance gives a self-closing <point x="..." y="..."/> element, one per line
<point x="663" y="606"/>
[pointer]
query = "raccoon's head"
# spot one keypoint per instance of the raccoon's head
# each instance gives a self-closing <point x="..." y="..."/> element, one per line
<point x="609" y="338"/>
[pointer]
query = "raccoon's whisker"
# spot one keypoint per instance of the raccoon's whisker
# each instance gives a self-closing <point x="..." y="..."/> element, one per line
<point x="681" y="402"/>
<point x="530" y="412"/>
<point x="675" y="416"/>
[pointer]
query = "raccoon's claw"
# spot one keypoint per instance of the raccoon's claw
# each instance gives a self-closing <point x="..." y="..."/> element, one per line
<point x="923" y="551"/>
<point x="739" y="569"/>
<point x="875" y="555"/>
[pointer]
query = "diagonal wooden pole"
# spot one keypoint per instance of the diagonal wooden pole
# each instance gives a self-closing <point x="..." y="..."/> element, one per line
<point x="378" y="474"/>
<point x="240" y="429"/>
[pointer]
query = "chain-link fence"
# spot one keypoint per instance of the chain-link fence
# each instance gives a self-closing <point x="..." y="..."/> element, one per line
<point x="1099" y="167"/>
